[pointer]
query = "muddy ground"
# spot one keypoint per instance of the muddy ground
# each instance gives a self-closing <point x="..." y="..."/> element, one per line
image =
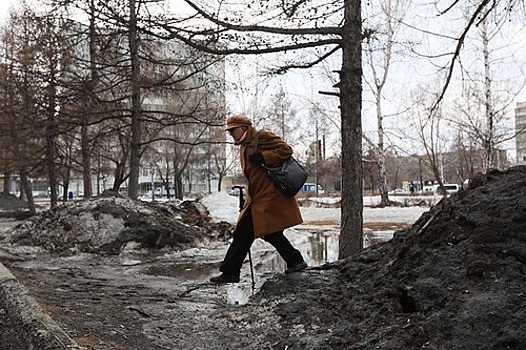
<point x="453" y="280"/>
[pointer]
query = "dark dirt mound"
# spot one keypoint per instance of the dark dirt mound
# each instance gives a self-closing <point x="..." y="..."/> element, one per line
<point x="454" y="280"/>
<point x="108" y="224"/>
<point x="12" y="206"/>
<point x="9" y="202"/>
<point x="9" y="336"/>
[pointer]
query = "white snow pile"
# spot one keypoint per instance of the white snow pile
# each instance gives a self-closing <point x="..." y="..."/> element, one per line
<point x="222" y="206"/>
<point x="107" y="224"/>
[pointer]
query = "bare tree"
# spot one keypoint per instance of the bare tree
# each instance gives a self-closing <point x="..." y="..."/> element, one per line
<point x="18" y="155"/>
<point x="114" y="74"/>
<point x="35" y="58"/>
<point x="278" y="114"/>
<point x="430" y="132"/>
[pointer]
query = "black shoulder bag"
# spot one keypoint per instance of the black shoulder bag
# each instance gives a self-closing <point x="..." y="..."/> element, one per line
<point x="289" y="178"/>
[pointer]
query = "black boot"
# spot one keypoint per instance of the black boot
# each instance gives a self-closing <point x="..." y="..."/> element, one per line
<point x="224" y="278"/>
<point x="297" y="267"/>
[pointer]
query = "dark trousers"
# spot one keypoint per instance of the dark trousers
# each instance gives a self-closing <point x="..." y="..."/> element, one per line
<point x="243" y="239"/>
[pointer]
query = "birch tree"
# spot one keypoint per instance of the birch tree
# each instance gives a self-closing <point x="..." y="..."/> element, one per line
<point x="485" y="98"/>
<point x="379" y="51"/>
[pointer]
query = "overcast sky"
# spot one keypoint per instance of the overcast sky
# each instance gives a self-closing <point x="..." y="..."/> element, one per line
<point x="4" y="9"/>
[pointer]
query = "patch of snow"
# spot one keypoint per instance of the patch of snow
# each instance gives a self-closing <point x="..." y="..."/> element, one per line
<point x="105" y="229"/>
<point x="222" y="206"/>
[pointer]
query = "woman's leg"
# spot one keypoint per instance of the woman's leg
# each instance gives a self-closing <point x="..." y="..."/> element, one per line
<point x="238" y="250"/>
<point x="291" y="255"/>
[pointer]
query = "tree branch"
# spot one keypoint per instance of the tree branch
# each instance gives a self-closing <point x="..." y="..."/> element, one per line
<point x="266" y="29"/>
<point x="283" y="70"/>
<point x="456" y="55"/>
<point x="213" y="48"/>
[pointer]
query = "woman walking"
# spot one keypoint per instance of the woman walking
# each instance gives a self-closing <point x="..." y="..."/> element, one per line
<point x="267" y="211"/>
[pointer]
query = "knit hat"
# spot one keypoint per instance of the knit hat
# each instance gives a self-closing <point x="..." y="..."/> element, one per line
<point x="236" y="121"/>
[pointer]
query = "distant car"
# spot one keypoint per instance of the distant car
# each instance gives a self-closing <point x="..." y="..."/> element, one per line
<point x="450" y="189"/>
<point x="398" y="191"/>
<point x="311" y="187"/>
<point x="162" y="191"/>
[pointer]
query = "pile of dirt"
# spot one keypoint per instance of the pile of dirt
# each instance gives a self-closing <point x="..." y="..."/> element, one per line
<point x="9" y="335"/>
<point x="109" y="224"/>
<point x="12" y="206"/>
<point x="454" y="280"/>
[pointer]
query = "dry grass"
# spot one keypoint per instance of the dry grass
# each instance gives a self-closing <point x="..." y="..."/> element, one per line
<point x="375" y="226"/>
<point x="384" y="226"/>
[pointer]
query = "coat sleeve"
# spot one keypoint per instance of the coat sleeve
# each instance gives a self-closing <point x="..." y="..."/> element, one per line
<point x="273" y="148"/>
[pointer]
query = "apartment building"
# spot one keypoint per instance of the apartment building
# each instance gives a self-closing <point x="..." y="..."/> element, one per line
<point x="520" y="127"/>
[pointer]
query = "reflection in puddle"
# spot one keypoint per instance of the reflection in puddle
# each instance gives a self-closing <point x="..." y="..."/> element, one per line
<point x="187" y="271"/>
<point x="318" y="246"/>
<point x="324" y="246"/>
<point x="374" y="237"/>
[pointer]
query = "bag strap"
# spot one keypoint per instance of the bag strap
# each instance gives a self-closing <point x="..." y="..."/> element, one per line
<point x="256" y="143"/>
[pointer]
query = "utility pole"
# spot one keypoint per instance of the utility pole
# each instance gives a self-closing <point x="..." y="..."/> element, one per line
<point x="421" y="179"/>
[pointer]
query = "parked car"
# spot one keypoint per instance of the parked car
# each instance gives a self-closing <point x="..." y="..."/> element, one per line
<point x="162" y="192"/>
<point x="311" y="187"/>
<point x="435" y="189"/>
<point x="450" y="188"/>
<point x="399" y="191"/>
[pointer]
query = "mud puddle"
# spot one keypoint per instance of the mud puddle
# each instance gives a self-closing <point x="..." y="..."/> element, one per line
<point x="318" y="244"/>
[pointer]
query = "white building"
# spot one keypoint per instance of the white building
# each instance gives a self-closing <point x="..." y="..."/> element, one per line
<point x="520" y="127"/>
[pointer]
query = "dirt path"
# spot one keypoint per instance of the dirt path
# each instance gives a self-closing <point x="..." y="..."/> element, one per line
<point x="156" y="304"/>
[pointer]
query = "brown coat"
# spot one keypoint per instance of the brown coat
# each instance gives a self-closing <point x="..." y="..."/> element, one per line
<point x="271" y="210"/>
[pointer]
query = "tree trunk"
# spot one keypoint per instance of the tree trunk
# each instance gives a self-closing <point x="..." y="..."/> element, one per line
<point x="66" y="180"/>
<point x="84" y="134"/>
<point x="25" y="187"/>
<point x="135" y="144"/>
<point x="488" y="103"/>
<point x="178" y="186"/>
<point x="86" y="160"/>
<point x="51" y="132"/>
<point x="381" y="156"/>
<point x="351" y="237"/>
<point x="7" y="181"/>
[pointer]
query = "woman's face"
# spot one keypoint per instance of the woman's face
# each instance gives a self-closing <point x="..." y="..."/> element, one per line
<point x="236" y="133"/>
